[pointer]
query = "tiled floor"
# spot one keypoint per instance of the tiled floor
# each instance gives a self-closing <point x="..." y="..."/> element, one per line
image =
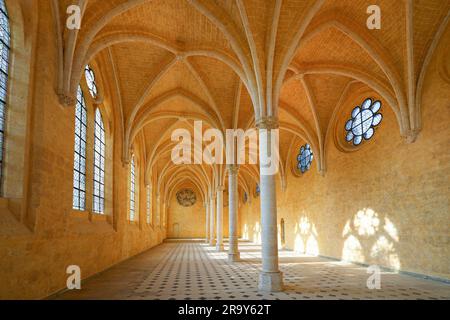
<point x="182" y="270"/>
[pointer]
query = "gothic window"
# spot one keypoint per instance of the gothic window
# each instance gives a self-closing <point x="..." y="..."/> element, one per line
<point x="132" y="189"/>
<point x="305" y="158"/>
<point x="99" y="164"/>
<point x="258" y="190"/>
<point x="90" y="79"/>
<point x="363" y="121"/>
<point x="4" y="64"/>
<point x="79" y="167"/>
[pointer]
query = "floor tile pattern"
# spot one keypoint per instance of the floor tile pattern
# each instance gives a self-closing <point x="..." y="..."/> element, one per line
<point x="193" y="270"/>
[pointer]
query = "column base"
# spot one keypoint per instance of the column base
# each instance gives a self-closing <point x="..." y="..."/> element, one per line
<point x="219" y="247"/>
<point x="234" y="257"/>
<point x="270" y="281"/>
<point x="212" y="242"/>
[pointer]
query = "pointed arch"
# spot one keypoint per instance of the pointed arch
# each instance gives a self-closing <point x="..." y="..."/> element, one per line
<point x="99" y="164"/>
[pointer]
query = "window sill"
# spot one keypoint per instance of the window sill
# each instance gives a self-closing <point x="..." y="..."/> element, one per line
<point x="98" y="216"/>
<point x="91" y="216"/>
<point x="79" y="214"/>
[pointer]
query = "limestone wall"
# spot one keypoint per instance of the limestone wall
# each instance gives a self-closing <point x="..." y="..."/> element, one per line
<point x="386" y="203"/>
<point x="40" y="234"/>
<point x="191" y="220"/>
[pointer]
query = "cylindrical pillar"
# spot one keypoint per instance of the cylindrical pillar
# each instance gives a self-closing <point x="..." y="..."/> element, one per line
<point x="206" y="205"/>
<point x="219" y="244"/>
<point x="212" y="238"/>
<point x="233" y="251"/>
<point x="270" y="278"/>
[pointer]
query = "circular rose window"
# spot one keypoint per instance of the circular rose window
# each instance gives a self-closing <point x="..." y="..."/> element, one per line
<point x="186" y="197"/>
<point x="362" y="124"/>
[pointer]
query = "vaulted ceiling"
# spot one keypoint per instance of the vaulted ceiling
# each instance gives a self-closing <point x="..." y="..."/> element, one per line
<point x="165" y="63"/>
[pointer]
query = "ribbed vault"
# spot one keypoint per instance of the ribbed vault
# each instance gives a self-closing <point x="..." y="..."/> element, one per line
<point x="230" y="63"/>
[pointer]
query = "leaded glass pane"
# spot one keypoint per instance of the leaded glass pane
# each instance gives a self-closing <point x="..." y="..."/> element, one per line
<point x="79" y="167"/>
<point x="132" y="190"/>
<point x="4" y="68"/>
<point x="99" y="164"/>
<point x="304" y="158"/>
<point x="90" y="79"/>
<point x="363" y="122"/>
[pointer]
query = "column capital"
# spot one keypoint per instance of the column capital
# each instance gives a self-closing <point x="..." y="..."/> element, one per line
<point x="411" y="135"/>
<point x="233" y="169"/>
<point x="66" y="100"/>
<point x="267" y="123"/>
<point x="220" y="188"/>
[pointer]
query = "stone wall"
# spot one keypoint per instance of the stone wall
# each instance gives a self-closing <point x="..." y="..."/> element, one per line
<point x="191" y="220"/>
<point x="386" y="203"/>
<point x="37" y="246"/>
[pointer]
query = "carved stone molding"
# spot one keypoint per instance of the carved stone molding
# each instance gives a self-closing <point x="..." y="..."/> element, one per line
<point x="233" y="169"/>
<point x="268" y="123"/>
<point x="66" y="100"/>
<point x="411" y="135"/>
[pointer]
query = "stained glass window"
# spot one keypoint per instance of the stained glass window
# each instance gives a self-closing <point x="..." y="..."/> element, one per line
<point x="79" y="167"/>
<point x="132" y="189"/>
<point x="99" y="164"/>
<point x="258" y="190"/>
<point x="90" y="79"/>
<point x="305" y="158"/>
<point x="363" y="122"/>
<point x="4" y="65"/>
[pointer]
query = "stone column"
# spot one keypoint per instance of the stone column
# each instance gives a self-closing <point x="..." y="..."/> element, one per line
<point x="212" y="238"/>
<point x="233" y="252"/>
<point x="206" y="205"/>
<point x="270" y="277"/>
<point x="219" y="245"/>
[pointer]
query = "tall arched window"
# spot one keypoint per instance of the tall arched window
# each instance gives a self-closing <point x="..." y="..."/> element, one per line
<point x="99" y="164"/>
<point x="4" y="64"/>
<point x="90" y="79"/>
<point x="79" y="166"/>
<point x="132" y="189"/>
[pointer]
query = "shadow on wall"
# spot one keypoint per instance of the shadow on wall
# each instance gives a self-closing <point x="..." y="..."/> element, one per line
<point x="370" y="238"/>
<point x="306" y="237"/>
